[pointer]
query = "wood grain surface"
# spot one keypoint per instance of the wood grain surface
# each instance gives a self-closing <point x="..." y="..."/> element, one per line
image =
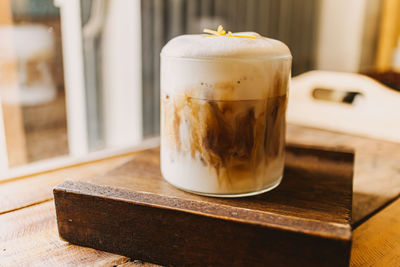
<point x="35" y="189"/>
<point x="29" y="237"/>
<point x="134" y="212"/>
<point x="376" y="173"/>
<point x="377" y="241"/>
<point x="376" y="167"/>
<point x="294" y="197"/>
<point x="24" y="191"/>
<point x="368" y="248"/>
<point x="373" y="158"/>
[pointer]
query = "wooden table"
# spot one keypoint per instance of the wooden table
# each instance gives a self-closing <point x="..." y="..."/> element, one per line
<point x="28" y="233"/>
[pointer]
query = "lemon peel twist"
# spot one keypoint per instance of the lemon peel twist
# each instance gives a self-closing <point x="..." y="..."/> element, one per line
<point x="221" y="32"/>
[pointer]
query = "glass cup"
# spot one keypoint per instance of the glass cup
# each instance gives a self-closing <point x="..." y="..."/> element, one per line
<point x="223" y="123"/>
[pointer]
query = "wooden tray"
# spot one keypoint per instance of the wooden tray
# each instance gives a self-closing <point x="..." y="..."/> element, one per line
<point x="132" y="211"/>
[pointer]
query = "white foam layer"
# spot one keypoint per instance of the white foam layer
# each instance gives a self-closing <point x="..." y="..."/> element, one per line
<point x="206" y="46"/>
<point x="228" y="80"/>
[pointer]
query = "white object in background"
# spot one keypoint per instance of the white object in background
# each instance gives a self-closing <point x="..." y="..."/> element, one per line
<point x="374" y="114"/>
<point x="396" y="57"/>
<point x="33" y="51"/>
<point x="122" y="73"/>
<point x="70" y="13"/>
<point x="3" y="145"/>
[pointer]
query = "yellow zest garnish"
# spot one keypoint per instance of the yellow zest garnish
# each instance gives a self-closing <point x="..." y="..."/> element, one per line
<point x="221" y="32"/>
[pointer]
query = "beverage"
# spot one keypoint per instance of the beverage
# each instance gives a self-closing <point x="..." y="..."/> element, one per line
<point x="223" y="104"/>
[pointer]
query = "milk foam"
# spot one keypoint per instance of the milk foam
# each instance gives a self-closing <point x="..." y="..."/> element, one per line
<point x="227" y="80"/>
<point x="206" y="46"/>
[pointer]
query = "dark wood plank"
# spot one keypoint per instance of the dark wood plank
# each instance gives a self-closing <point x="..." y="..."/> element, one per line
<point x="27" y="235"/>
<point x="134" y="212"/>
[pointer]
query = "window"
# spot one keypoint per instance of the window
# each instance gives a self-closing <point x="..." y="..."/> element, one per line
<point x="82" y="76"/>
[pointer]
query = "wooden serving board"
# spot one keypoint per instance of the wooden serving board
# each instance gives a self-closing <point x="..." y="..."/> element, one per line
<point x="132" y="211"/>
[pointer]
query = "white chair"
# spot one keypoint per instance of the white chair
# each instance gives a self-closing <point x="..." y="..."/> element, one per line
<point x="374" y="113"/>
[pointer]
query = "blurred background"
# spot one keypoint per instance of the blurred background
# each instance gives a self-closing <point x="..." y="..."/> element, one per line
<point x="82" y="76"/>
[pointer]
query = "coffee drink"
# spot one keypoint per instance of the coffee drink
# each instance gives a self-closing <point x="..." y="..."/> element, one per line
<point x="223" y="104"/>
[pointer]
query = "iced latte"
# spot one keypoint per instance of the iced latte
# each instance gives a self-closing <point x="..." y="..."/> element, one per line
<point x="223" y="104"/>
